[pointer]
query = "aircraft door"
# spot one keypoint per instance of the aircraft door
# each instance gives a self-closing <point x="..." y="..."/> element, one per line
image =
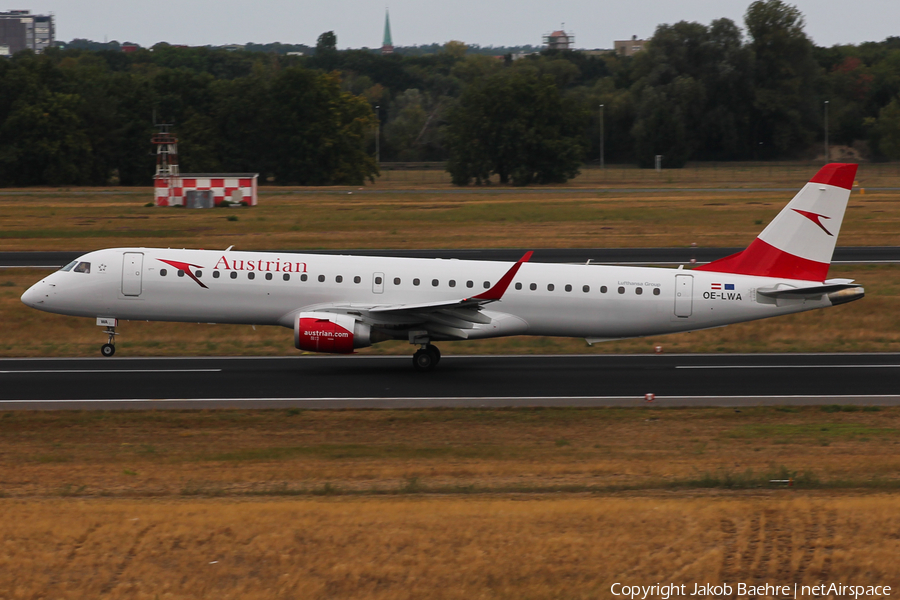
<point x="132" y="273"/>
<point x="684" y="293"/>
<point x="378" y="283"/>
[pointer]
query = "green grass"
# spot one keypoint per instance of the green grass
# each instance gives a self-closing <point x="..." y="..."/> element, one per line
<point x="805" y="432"/>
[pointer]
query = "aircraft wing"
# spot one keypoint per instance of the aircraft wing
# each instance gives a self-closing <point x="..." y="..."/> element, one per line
<point x="451" y="318"/>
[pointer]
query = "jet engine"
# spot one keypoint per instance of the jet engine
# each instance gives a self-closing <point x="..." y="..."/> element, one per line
<point x="327" y="332"/>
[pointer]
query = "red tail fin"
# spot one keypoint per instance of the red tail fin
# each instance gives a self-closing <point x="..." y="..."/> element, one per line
<point x="799" y="242"/>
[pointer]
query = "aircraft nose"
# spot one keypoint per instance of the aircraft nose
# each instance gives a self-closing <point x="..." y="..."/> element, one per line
<point x="34" y="296"/>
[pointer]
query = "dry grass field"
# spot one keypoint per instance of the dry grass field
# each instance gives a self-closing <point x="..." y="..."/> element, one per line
<point x="411" y="548"/>
<point x="293" y="452"/>
<point x="392" y="215"/>
<point x="556" y="503"/>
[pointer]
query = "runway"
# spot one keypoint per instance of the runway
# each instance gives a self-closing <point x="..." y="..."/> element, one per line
<point x="620" y="256"/>
<point x="459" y="381"/>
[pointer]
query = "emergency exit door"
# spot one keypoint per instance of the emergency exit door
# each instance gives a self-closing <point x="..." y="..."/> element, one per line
<point x="132" y="273"/>
<point x="684" y="293"/>
<point x="378" y="283"/>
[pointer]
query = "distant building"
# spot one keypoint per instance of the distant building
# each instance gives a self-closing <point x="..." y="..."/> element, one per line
<point x="196" y="190"/>
<point x="387" y="45"/>
<point x="129" y="47"/>
<point x="21" y="30"/>
<point x="629" y="47"/>
<point x="559" y="40"/>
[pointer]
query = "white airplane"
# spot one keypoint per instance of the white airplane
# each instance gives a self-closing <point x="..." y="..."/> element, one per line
<point x="339" y="303"/>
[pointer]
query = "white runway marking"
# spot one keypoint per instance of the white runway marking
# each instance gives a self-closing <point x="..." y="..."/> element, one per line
<point x="787" y="366"/>
<point x="45" y="371"/>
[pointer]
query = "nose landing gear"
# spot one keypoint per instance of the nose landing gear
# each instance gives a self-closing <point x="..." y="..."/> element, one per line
<point x="109" y="348"/>
<point x="426" y="358"/>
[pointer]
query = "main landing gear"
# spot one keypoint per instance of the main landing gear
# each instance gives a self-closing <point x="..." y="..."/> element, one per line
<point x="109" y="348"/>
<point x="426" y="358"/>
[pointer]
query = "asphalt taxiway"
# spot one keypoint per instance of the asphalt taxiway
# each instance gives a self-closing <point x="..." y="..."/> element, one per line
<point x="458" y="381"/>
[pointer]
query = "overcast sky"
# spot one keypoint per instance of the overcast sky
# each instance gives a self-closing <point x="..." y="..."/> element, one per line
<point x="359" y="23"/>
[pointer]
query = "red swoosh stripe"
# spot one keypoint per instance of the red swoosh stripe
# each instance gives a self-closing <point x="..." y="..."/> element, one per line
<point x="186" y="267"/>
<point x="814" y="218"/>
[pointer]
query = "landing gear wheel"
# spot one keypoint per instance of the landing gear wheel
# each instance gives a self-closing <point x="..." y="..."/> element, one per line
<point x="107" y="349"/>
<point x="434" y="350"/>
<point x="423" y="360"/>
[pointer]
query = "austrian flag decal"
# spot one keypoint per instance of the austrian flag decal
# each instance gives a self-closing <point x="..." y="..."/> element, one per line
<point x="720" y="286"/>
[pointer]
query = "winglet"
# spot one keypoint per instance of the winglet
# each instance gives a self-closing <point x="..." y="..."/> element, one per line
<point x="496" y="292"/>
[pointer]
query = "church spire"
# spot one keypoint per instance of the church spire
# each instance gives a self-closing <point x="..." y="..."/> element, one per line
<point x="387" y="46"/>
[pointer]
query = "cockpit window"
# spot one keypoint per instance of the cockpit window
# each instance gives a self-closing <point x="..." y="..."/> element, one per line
<point x="83" y="267"/>
<point x="69" y="266"/>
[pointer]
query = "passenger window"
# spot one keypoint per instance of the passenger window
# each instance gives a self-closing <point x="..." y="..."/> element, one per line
<point x="234" y="274"/>
<point x="198" y="274"/>
<point x="249" y="275"/>
<point x="621" y="290"/>
<point x="304" y="277"/>
<point x="268" y="276"/>
<point x="321" y="279"/>
<point x="518" y="286"/>
<point x="378" y="281"/>
<point x="568" y="287"/>
<point x="603" y="289"/>
<point x="550" y="287"/>
<point x="286" y="277"/>
<point x="586" y="289"/>
<point x="638" y="291"/>
<point x="339" y="279"/>
<point x="416" y="281"/>
<point x="357" y="279"/>
<point x="470" y="284"/>
<point x="434" y="282"/>
<point x="216" y="274"/>
<point x="532" y="287"/>
<point x="69" y="266"/>
<point x="396" y="281"/>
<point x="452" y="283"/>
<point x="181" y="273"/>
<point x="656" y="291"/>
<point x="487" y="285"/>
<point x="83" y="267"/>
<point x="162" y="272"/>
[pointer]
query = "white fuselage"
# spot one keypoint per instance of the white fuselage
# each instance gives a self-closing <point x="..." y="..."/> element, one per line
<point x="591" y="301"/>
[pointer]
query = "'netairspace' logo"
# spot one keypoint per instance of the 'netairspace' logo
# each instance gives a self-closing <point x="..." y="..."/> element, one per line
<point x="670" y="590"/>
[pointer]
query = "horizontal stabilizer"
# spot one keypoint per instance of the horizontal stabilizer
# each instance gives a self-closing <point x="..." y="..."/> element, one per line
<point x="838" y="291"/>
<point x="805" y="292"/>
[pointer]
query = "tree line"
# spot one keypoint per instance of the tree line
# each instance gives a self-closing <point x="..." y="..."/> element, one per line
<point x="83" y="115"/>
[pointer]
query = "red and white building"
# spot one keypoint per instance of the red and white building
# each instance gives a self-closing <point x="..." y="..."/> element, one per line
<point x="228" y="188"/>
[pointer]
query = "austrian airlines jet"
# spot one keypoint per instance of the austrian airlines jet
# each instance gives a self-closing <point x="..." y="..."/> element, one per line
<point x="339" y="303"/>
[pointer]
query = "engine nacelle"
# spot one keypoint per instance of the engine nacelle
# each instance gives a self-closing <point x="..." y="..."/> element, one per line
<point x="327" y="332"/>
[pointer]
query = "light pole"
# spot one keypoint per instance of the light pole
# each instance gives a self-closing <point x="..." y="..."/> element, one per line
<point x="827" y="158"/>
<point x="602" y="158"/>
<point x="377" y="134"/>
